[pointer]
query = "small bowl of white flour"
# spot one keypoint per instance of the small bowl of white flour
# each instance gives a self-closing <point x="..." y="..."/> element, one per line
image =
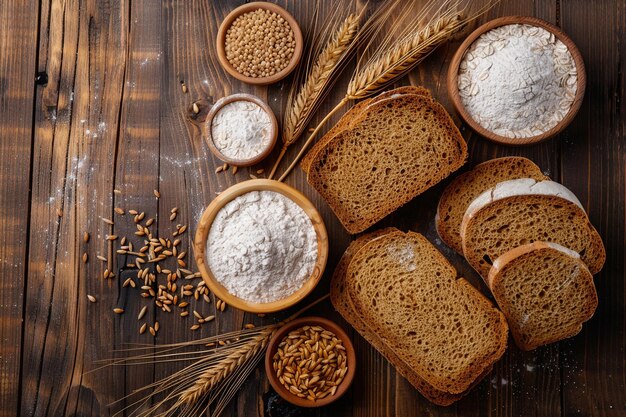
<point x="261" y="246"/>
<point x="517" y="80"/>
<point x="241" y="129"/>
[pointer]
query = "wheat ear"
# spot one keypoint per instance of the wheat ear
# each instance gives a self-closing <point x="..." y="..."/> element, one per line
<point x="210" y="378"/>
<point x="300" y="108"/>
<point x="402" y="57"/>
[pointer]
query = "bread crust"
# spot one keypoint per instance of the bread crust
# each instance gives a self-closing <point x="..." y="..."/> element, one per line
<point x="582" y="281"/>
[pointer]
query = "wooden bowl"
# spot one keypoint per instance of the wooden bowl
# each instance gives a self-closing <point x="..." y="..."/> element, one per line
<point x="272" y="347"/>
<point x="453" y="72"/>
<point x="204" y="226"/>
<point x="249" y="7"/>
<point x="227" y="100"/>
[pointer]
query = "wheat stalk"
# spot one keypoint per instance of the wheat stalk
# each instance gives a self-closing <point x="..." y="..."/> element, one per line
<point x="401" y="57"/>
<point x="216" y="374"/>
<point x="301" y="106"/>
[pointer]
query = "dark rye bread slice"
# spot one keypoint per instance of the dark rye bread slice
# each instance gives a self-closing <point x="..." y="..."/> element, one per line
<point x="517" y="212"/>
<point x="545" y="291"/>
<point x="352" y="116"/>
<point x="438" y="324"/>
<point x="466" y="187"/>
<point x="403" y="146"/>
<point x="341" y="302"/>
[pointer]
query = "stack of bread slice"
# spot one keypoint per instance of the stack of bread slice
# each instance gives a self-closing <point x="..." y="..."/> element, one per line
<point x="404" y="297"/>
<point x="383" y="153"/>
<point x="531" y="241"/>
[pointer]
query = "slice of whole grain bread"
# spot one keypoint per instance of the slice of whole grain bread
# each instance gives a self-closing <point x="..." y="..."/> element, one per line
<point x="400" y="147"/>
<point x="545" y="291"/>
<point x="437" y="324"/>
<point x="340" y="300"/>
<point x="351" y="117"/>
<point x="466" y="187"/>
<point x="521" y="211"/>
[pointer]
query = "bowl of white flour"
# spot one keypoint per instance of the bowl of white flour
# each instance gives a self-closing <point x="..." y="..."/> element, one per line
<point x="517" y="80"/>
<point x="241" y="129"/>
<point x="261" y="246"/>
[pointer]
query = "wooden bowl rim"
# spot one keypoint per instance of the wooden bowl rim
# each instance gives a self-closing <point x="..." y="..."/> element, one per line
<point x="204" y="226"/>
<point x="310" y="321"/>
<point x="248" y="7"/>
<point x="230" y="99"/>
<point x="453" y="70"/>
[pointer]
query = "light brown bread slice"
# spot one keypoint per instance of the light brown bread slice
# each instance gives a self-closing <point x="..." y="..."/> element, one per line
<point x="352" y="116"/>
<point x="438" y="324"/>
<point x="341" y="302"/>
<point x="403" y="146"/>
<point x="517" y="212"/>
<point x="545" y="291"/>
<point x="466" y="187"/>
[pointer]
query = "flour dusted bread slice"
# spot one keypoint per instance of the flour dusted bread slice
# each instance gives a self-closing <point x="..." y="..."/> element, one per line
<point x="341" y="302"/>
<point x="439" y="325"/>
<point x="352" y="117"/>
<point x="403" y="145"/>
<point x="466" y="187"/>
<point x="517" y="212"/>
<point x="545" y="291"/>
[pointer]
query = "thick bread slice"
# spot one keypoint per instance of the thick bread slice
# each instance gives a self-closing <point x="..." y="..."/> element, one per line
<point x="341" y="302"/>
<point x="545" y="291"/>
<point x="402" y="147"/>
<point x="517" y="212"/>
<point x="466" y="187"/>
<point x="352" y="116"/>
<point x="438" y="324"/>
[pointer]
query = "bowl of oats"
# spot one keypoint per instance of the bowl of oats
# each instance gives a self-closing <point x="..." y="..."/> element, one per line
<point x="259" y="43"/>
<point x="517" y="80"/>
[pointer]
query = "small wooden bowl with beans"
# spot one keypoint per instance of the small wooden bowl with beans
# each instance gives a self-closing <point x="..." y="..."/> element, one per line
<point x="259" y="59"/>
<point x="310" y="362"/>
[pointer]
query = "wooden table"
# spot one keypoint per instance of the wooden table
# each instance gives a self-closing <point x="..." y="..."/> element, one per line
<point x="112" y="115"/>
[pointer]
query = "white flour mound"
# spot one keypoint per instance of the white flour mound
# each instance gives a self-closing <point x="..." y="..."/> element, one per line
<point x="262" y="247"/>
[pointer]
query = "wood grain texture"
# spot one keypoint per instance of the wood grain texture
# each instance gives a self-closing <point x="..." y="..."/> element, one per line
<point x="18" y="43"/>
<point x="113" y="116"/>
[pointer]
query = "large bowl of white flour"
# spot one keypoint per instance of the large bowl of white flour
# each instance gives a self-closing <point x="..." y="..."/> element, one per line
<point x="261" y="246"/>
<point x="517" y="80"/>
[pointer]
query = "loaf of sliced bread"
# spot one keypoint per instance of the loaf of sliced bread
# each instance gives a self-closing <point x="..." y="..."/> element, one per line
<point x="352" y="116"/>
<point x="400" y="147"/>
<point x="341" y="302"/>
<point x="545" y="291"/>
<point x="466" y="187"/>
<point x="436" y="323"/>
<point x="521" y="211"/>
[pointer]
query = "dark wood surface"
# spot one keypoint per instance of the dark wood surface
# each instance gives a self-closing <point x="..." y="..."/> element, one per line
<point x="113" y="116"/>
